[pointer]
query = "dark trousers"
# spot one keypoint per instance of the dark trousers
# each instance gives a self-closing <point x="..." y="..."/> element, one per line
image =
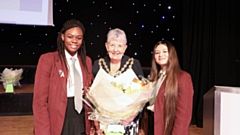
<point x="150" y="123"/>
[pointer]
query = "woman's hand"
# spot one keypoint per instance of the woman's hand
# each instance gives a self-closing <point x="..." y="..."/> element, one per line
<point x="126" y="122"/>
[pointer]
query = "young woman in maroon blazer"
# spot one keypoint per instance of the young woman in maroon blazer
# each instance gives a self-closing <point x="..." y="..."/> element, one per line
<point x="172" y="105"/>
<point x="53" y="102"/>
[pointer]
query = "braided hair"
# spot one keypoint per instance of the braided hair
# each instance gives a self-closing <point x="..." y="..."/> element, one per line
<point x="60" y="43"/>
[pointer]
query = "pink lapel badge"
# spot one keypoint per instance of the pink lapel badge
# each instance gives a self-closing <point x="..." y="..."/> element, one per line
<point x="61" y="73"/>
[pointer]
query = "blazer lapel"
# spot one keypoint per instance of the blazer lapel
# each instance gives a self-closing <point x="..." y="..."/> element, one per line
<point x="63" y="74"/>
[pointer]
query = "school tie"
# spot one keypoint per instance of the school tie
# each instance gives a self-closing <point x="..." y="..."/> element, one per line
<point x="77" y="87"/>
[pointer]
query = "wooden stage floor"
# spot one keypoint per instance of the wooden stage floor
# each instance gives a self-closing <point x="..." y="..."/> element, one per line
<point x="23" y="125"/>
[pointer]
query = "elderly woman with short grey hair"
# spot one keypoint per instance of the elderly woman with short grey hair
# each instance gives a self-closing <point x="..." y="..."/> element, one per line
<point x="116" y="63"/>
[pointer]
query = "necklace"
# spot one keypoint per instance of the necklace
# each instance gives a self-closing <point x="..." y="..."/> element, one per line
<point x="127" y="65"/>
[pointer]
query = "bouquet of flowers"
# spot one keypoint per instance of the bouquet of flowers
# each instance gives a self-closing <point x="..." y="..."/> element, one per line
<point x="10" y="76"/>
<point x="117" y="99"/>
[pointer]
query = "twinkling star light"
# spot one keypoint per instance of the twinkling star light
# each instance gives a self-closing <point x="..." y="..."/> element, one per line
<point x="145" y="23"/>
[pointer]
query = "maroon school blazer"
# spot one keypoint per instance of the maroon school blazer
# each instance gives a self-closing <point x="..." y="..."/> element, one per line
<point x="50" y="94"/>
<point x="183" y="106"/>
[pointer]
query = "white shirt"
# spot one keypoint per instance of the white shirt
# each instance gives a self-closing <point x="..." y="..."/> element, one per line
<point x="70" y="81"/>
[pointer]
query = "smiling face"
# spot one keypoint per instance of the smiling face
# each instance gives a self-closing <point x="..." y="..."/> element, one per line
<point x="161" y="56"/>
<point x="115" y="50"/>
<point x="72" y="38"/>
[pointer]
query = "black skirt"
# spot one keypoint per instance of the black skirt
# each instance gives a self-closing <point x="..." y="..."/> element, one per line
<point x="74" y="123"/>
<point x="150" y="122"/>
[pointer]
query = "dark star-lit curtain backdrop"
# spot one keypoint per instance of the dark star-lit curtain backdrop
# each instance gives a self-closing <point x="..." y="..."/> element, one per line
<point x="145" y="23"/>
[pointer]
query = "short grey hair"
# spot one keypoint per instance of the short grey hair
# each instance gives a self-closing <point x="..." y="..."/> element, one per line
<point x="117" y="34"/>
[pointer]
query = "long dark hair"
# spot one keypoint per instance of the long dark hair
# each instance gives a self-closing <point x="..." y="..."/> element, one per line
<point x="171" y="86"/>
<point x="60" y="43"/>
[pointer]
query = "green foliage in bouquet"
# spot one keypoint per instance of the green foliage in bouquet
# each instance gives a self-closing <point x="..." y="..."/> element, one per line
<point x="113" y="133"/>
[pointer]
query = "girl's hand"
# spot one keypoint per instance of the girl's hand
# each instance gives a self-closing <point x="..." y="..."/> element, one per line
<point x="100" y="132"/>
<point x="97" y="126"/>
